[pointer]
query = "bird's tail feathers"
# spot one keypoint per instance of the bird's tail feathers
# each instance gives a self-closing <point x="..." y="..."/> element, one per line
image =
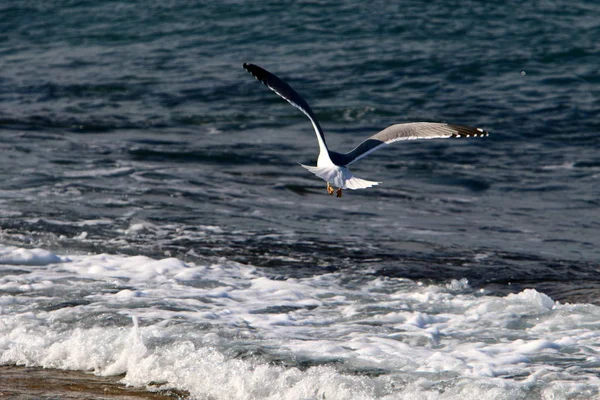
<point x="340" y="177"/>
<point x="357" y="183"/>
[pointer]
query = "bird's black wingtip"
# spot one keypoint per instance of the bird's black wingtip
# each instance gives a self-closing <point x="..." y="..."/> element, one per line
<point x="260" y="74"/>
<point x="249" y="67"/>
<point x="467" y="131"/>
<point x="482" y="132"/>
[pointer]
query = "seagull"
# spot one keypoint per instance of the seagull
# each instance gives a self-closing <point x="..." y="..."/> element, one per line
<point x="332" y="167"/>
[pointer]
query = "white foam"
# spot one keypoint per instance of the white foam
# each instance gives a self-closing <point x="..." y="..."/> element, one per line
<point x="16" y="256"/>
<point x="98" y="172"/>
<point x="188" y="325"/>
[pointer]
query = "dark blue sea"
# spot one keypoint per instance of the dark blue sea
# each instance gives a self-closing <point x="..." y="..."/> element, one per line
<point x="155" y="222"/>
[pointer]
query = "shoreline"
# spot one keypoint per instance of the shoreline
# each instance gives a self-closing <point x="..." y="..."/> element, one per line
<point x="27" y="383"/>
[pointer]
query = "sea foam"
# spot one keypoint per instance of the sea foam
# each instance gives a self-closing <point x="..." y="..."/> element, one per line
<point x="231" y="331"/>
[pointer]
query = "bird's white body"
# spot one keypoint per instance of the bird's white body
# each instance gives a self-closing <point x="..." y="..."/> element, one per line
<point x="336" y="175"/>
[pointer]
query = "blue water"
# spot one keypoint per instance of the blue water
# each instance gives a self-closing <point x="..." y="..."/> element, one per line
<point x="130" y="127"/>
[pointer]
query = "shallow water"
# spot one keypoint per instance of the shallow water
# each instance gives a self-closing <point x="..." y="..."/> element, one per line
<point x="229" y="330"/>
<point x="179" y="241"/>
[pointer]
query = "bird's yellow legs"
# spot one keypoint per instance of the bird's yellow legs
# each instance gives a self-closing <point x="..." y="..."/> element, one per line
<point x="330" y="190"/>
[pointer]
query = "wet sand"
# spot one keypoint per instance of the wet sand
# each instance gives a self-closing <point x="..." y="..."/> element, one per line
<point x="27" y="383"/>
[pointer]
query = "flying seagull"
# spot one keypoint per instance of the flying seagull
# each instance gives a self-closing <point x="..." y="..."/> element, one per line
<point x="332" y="166"/>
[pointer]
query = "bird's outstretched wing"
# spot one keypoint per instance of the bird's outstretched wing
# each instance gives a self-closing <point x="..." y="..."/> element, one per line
<point x="286" y="92"/>
<point x="409" y="131"/>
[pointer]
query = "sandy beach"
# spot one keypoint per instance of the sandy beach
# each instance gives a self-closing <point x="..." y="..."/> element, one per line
<point x="24" y="383"/>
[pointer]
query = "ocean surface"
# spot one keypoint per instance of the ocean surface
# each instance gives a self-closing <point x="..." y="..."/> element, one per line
<point x="155" y="223"/>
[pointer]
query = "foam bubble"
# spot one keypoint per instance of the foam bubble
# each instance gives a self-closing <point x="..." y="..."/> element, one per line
<point x="17" y="256"/>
